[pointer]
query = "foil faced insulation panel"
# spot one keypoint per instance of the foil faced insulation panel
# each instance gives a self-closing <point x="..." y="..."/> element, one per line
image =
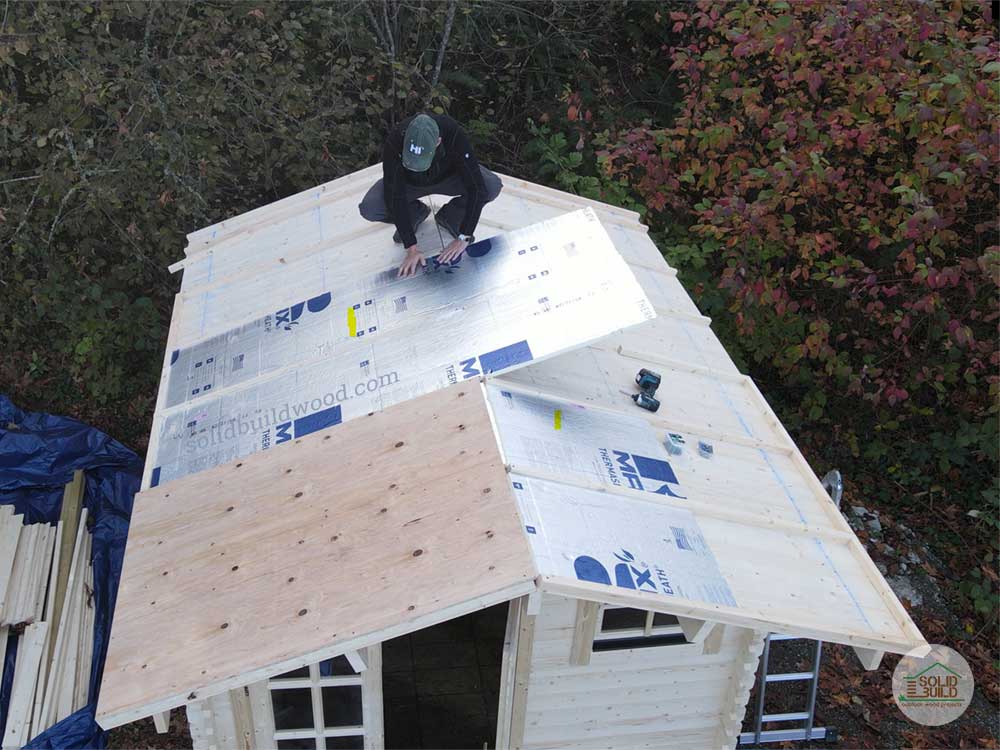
<point x="513" y="299"/>
<point x="592" y="536"/>
<point x="585" y="534"/>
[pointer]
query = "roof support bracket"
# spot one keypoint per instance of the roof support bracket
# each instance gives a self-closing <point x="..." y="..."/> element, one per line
<point x="694" y="630"/>
<point x="869" y="657"/>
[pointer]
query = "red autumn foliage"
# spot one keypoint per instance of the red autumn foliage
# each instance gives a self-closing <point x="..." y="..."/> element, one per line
<point x="836" y="166"/>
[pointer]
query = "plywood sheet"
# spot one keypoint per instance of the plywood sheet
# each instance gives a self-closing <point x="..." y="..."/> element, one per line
<point x="379" y="526"/>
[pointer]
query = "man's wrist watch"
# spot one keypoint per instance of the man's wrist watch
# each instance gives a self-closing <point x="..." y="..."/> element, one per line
<point x="468" y="239"/>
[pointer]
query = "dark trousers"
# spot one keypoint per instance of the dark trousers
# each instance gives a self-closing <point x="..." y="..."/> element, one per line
<point x="373" y="206"/>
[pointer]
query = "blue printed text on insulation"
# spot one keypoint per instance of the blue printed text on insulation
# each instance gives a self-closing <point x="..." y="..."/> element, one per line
<point x="277" y="424"/>
<point x="288" y="317"/>
<point x="630" y="573"/>
<point x="639" y="472"/>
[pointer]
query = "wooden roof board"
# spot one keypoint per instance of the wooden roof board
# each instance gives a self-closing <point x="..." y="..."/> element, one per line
<point x="308" y="241"/>
<point x="790" y="559"/>
<point x="384" y="524"/>
<point x="803" y="581"/>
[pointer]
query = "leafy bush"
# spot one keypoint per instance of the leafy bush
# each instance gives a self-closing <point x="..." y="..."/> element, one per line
<point x="124" y="126"/>
<point x="833" y="171"/>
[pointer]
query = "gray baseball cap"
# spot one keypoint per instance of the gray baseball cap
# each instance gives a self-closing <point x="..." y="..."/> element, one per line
<point x="419" y="143"/>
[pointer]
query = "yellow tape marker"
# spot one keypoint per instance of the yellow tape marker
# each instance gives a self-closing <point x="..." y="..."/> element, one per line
<point x="557" y="418"/>
<point x="352" y="322"/>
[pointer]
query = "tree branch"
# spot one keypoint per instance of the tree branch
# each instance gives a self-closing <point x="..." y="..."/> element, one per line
<point x="444" y="45"/>
<point x="21" y="179"/>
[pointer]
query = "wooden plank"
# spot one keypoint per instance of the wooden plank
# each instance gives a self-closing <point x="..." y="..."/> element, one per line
<point x="69" y="517"/>
<point x="85" y="647"/>
<point x="616" y="732"/>
<point x="551" y="685"/>
<point x="365" y="501"/>
<point x="686" y="739"/>
<point x="699" y="508"/>
<point x="161" y="394"/>
<point x="876" y="582"/>
<point x="52" y="586"/>
<point x="633" y="709"/>
<point x="694" y="630"/>
<point x="65" y="694"/>
<point x="25" y="575"/>
<point x="10" y="531"/>
<point x="665" y="693"/>
<point x="201" y="717"/>
<point x="644" y="360"/>
<point x="356" y="661"/>
<point x="743" y="616"/>
<point x="508" y="662"/>
<point x="522" y="674"/>
<point x="588" y="615"/>
<point x="263" y="714"/>
<point x="813" y="555"/>
<point x="869" y="658"/>
<point x="534" y="605"/>
<point x="242" y="719"/>
<point x="29" y="655"/>
<point x="619" y="400"/>
<point x="713" y="641"/>
<point x="317" y="705"/>
<point x="50" y="633"/>
<point x="161" y="722"/>
<point x="275" y="262"/>
<point x="372" y="699"/>
<point x="204" y="238"/>
<point x="43" y="566"/>
<point x="734" y="705"/>
<point x="18" y="576"/>
<point x="60" y="654"/>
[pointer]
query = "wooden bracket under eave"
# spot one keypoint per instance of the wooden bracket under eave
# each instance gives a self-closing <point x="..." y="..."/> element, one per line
<point x="587" y="621"/>
<point x="869" y="657"/>
<point x="162" y="722"/>
<point x="694" y="630"/>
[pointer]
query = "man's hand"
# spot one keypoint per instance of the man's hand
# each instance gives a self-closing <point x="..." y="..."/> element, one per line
<point x="453" y="251"/>
<point x="414" y="258"/>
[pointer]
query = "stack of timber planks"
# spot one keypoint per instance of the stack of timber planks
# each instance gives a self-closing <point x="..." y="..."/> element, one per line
<point x="46" y="588"/>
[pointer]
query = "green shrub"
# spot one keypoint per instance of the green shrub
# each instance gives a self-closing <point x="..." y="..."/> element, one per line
<point x="832" y="172"/>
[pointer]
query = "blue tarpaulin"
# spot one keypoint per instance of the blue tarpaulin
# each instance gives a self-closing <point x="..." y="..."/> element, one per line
<point x="38" y="455"/>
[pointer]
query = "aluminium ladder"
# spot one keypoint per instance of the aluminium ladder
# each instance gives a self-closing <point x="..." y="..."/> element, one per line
<point x="833" y="484"/>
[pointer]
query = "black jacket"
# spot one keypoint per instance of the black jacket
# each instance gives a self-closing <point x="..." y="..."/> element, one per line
<point x="453" y="157"/>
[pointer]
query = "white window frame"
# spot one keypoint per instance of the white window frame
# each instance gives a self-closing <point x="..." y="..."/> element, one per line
<point x="369" y="680"/>
<point x="648" y="630"/>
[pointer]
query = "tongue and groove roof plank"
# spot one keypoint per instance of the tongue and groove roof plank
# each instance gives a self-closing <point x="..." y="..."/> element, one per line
<point x="382" y="525"/>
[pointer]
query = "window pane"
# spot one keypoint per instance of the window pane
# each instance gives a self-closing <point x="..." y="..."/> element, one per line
<point x="345" y="743"/>
<point x="642" y="641"/>
<point x="662" y="619"/>
<point x="623" y="619"/>
<point x="342" y="706"/>
<point x="300" y="672"/>
<point x="338" y="665"/>
<point x="297" y="745"/>
<point x="292" y="709"/>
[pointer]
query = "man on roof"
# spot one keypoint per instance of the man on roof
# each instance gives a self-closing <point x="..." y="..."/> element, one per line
<point x="427" y="155"/>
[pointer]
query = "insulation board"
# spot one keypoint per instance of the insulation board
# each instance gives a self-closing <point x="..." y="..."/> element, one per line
<point x="513" y="299"/>
<point x="569" y="440"/>
<point x="632" y="544"/>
